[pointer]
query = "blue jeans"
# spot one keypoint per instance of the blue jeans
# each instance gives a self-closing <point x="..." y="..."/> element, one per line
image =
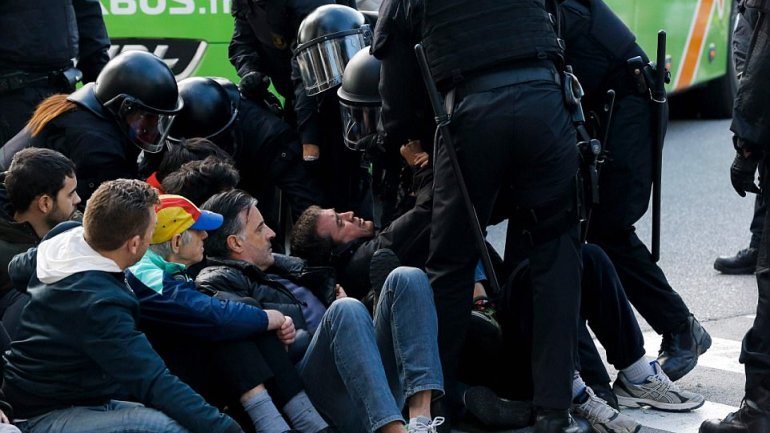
<point x="351" y="360"/>
<point x="114" y="417"/>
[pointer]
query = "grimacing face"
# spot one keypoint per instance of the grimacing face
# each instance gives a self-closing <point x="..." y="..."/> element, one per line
<point x="343" y="227"/>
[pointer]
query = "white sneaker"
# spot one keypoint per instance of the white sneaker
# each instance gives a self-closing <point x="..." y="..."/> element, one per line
<point x="415" y="426"/>
<point x="657" y="391"/>
<point x="603" y="417"/>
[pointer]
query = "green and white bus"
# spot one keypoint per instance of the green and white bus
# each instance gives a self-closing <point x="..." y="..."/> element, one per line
<point x="192" y="37"/>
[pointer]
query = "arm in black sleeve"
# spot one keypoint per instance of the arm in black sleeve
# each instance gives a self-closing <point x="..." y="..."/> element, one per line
<point x="243" y="49"/>
<point x="306" y="109"/>
<point x="93" y="40"/>
<point x="401" y="85"/>
<point x="744" y="27"/>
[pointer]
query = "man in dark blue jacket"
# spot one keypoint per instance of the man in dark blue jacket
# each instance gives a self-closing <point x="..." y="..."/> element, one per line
<point x="78" y="348"/>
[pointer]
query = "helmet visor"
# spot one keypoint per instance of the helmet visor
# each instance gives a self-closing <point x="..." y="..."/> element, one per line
<point x="358" y="121"/>
<point x="322" y="61"/>
<point x="146" y="129"/>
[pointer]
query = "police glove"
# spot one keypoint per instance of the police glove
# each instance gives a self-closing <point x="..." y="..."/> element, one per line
<point x="742" y="174"/>
<point x="254" y="86"/>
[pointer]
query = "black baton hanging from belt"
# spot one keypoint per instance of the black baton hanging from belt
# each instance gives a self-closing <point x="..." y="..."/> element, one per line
<point x="442" y="122"/>
<point x="658" y="93"/>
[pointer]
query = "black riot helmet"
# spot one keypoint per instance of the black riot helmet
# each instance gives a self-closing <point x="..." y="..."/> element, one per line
<point x="209" y="110"/>
<point x="359" y="95"/>
<point x="327" y="38"/>
<point x="139" y="90"/>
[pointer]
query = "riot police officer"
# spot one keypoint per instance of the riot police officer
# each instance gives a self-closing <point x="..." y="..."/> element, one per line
<point x="38" y="40"/>
<point x="598" y="47"/>
<point x="327" y="39"/>
<point x="498" y="67"/>
<point x="103" y="126"/>
<point x="261" y="46"/>
<point x="752" y="134"/>
<point x="265" y="149"/>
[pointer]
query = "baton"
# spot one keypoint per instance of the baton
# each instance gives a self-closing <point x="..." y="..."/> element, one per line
<point x="659" y="98"/>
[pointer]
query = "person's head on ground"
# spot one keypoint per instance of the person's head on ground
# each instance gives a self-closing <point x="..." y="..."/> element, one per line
<point x="181" y="229"/>
<point x="185" y="150"/>
<point x="41" y="186"/>
<point x="119" y="220"/>
<point x="318" y="232"/>
<point x="244" y="234"/>
<point x="199" y="180"/>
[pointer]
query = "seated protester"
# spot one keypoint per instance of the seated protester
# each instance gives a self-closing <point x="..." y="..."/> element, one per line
<point x="199" y="180"/>
<point x="222" y="349"/>
<point x="180" y="152"/>
<point x="350" y="360"/>
<point x="6" y="411"/>
<point x="347" y="242"/>
<point x="90" y="338"/>
<point x="40" y="187"/>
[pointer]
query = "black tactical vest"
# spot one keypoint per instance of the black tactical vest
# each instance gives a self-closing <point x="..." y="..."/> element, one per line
<point x="462" y="37"/>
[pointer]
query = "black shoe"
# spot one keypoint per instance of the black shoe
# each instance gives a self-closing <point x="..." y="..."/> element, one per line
<point x="495" y="412"/>
<point x="680" y="348"/>
<point x="383" y="262"/>
<point x="748" y="419"/>
<point x="559" y="421"/>
<point x="744" y="262"/>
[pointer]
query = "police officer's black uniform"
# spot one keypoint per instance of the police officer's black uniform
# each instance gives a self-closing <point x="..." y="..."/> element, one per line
<point x="38" y="40"/>
<point x="510" y="128"/>
<point x="598" y="47"/>
<point x="751" y="125"/>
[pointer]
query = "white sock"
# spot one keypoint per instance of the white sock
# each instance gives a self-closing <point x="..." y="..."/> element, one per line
<point x="639" y="371"/>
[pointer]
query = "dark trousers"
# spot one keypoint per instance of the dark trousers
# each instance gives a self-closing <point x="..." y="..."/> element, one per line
<point x="517" y="137"/>
<point x="625" y="185"/>
<point x="603" y="306"/>
<point x="223" y="371"/>
<point x="755" y="351"/>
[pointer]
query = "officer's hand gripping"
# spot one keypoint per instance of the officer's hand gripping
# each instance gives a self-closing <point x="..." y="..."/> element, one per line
<point x="742" y="173"/>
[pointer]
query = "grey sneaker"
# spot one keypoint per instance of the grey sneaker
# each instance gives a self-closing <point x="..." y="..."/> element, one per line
<point x="658" y="391"/>
<point x="420" y="427"/>
<point x="603" y="417"/>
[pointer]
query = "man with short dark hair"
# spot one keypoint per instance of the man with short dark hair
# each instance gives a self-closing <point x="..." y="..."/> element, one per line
<point x="41" y="192"/>
<point x="90" y="338"/>
<point x="199" y="180"/>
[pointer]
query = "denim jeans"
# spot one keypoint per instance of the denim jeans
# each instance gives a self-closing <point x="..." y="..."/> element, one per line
<point x="352" y="360"/>
<point x="8" y="428"/>
<point x="114" y="417"/>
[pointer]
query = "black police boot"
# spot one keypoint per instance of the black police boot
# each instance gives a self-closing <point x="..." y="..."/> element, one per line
<point x="681" y="347"/>
<point x="752" y="417"/>
<point x="495" y="412"/>
<point x="744" y="262"/>
<point x="559" y="421"/>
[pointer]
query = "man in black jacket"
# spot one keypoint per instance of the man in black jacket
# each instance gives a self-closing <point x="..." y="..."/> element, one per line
<point x="41" y="192"/>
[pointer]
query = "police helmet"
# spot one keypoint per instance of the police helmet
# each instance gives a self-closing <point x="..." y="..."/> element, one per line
<point x="209" y="110"/>
<point x="359" y="96"/>
<point x="327" y="38"/>
<point x="139" y="90"/>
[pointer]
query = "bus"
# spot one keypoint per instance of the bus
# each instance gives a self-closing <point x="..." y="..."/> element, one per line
<point x="192" y="37"/>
